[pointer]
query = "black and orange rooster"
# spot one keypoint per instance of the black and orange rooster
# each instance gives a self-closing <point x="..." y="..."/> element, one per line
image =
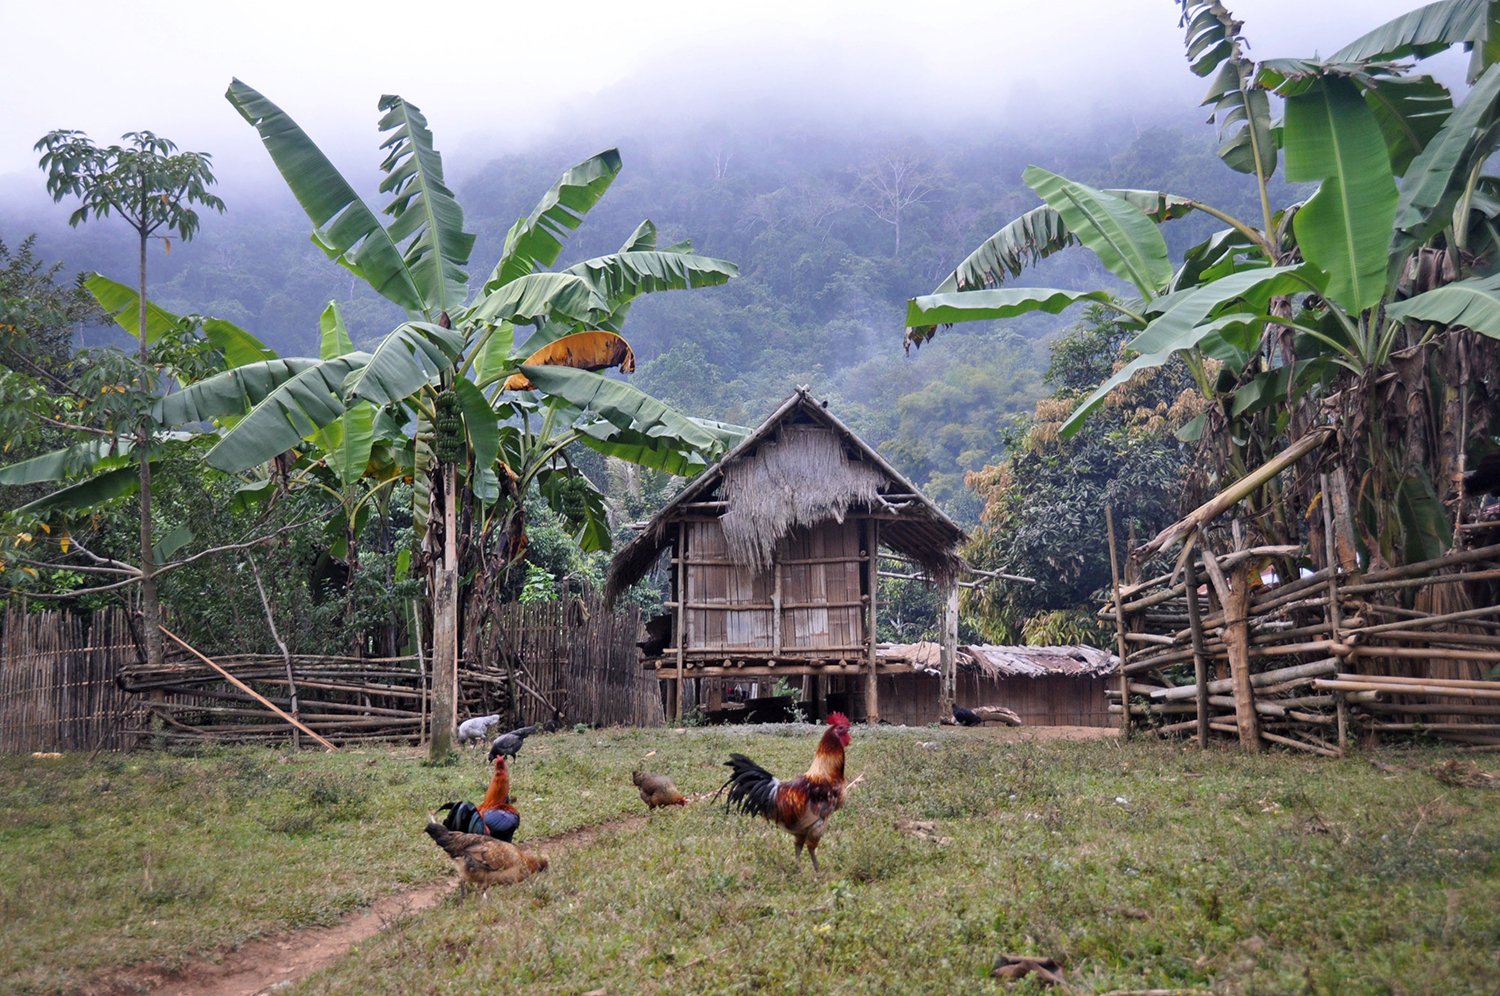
<point x="803" y="805"/>
<point x="494" y="816"/>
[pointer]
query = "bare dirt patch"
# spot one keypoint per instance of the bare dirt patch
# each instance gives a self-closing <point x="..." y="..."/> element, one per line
<point x="273" y="962"/>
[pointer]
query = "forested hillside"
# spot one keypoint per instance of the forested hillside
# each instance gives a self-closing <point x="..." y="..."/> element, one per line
<point x="832" y="233"/>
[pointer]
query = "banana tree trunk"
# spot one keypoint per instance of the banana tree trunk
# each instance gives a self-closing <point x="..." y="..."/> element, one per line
<point x="445" y="624"/>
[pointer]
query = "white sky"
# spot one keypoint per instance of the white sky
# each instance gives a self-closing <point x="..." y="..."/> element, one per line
<point x="502" y="73"/>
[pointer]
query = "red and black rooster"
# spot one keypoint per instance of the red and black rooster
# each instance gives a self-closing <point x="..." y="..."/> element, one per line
<point x="803" y="805"/>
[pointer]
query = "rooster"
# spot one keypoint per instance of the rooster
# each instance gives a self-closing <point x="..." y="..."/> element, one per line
<point x="494" y="815"/>
<point x="509" y="743"/>
<point x="485" y="861"/>
<point x="657" y="790"/>
<point x="803" y="805"/>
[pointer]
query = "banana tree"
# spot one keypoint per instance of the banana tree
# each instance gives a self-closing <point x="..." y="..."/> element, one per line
<point x="1320" y="302"/>
<point x="453" y="363"/>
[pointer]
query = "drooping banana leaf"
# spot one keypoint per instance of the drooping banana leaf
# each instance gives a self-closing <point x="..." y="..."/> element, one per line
<point x="87" y="494"/>
<point x="537" y="239"/>
<point x="343" y="226"/>
<point x="1145" y="361"/>
<point x="423" y="206"/>
<point x="539" y="297"/>
<point x="1435" y="179"/>
<point x="295" y="410"/>
<point x="1124" y="238"/>
<point x="924" y="314"/>
<point x="1214" y="46"/>
<point x="624" y="406"/>
<point x="634" y="447"/>
<point x="573" y="497"/>
<point x="1426" y="31"/>
<point x="232" y="392"/>
<point x="1471" y="303"/>
<point x="122" y="304"/>
<point x="413" y="355"/>
<point x="1344" y="229"/>
<point x="238" y="346"/>
<point x="63" y="463"/>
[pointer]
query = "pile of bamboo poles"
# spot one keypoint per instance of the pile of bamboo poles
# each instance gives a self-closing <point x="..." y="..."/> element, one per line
<point x="1268" y="651"/>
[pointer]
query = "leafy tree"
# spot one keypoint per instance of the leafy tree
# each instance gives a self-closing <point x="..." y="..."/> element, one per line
<point x="456" y="368"/>
<point x="1041" y="504"/>
<point x="153" y="188"/>
<point x="1370" y="296"/>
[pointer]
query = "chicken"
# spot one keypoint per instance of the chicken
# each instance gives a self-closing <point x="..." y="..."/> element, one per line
<point x="509" y="743"/>
<point x="657" y="790"/>
<point x="471" y="730"/>
<point x="803" y="805"/>
<point x="485" y="861"/>
<point x="494" y="816"/>
<point x="966" y="717"/>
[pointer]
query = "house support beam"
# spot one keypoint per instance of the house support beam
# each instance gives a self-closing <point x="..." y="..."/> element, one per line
<point x="872" y="581"/>
<point x="948" y="658"/>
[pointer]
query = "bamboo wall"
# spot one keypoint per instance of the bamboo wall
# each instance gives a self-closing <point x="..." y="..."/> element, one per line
<point x="810" y="603"/>
<point x="580" y="658"/>
<point x="1058" y="700"/>
<point x="58" y="687"/>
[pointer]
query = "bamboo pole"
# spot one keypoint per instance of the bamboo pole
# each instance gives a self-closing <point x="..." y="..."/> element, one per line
<point x="1200" y="658"/>
<point x="1237" y="642"/>
<point x="681" y="614"/>
<point x="241" y="685"/>
<point x="1122" y="647"/>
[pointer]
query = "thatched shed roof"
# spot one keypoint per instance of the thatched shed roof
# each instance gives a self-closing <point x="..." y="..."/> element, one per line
<point x="800" y="467"/>
<point x="1005" y="662"/>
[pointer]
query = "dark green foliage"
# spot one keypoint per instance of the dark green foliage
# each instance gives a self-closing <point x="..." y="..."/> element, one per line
<point x="1044" y="504"/>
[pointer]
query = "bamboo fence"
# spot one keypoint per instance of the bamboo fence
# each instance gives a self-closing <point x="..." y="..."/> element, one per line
<point x="58" y="688"/>
<point x="77" y="682"/>
<point x="1251" y="644"/>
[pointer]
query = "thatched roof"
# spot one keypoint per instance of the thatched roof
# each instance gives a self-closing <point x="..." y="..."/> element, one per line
<point x="1005" y="662"/>
<point x="800" y="467"/>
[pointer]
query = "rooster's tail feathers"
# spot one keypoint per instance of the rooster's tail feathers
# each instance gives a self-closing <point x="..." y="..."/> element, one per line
<point x="752" y="789"/>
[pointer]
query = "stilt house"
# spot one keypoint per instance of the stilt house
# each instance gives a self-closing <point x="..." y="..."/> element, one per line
<point x="774" y="563"/>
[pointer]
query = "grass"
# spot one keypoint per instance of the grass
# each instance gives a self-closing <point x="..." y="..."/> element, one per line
<point x="1137" y="865"/>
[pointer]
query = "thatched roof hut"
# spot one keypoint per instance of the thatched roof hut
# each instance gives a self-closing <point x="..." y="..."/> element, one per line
<point x="774" y="550"/>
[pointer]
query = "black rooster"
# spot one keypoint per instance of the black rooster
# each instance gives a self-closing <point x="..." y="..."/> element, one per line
<point x="966" y="717"/>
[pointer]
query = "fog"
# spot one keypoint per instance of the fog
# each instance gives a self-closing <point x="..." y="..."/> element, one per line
<point x="497" y="78"/>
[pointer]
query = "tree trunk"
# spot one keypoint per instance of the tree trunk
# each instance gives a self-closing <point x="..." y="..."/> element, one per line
<point x="150" y="604"/>
<point x="445" y="623"/>
<point x="352" y="630"/>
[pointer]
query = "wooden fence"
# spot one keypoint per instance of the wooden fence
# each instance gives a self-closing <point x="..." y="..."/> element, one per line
<point x="58" y="682"/>
<point x="574" y="658"/>
<point x="1312" y="660"/>
<point x="76" y="682"/>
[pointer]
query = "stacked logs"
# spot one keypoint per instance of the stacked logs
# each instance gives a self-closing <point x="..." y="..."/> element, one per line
<point x="1250" y="644"/>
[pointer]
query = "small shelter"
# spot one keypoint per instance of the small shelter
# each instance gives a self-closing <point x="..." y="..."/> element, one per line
<point x="1044" y="686"/>
<point x="774" y="562"/>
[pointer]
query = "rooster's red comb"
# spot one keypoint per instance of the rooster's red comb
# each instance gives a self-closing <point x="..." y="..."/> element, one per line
<point x="838" y="719"/>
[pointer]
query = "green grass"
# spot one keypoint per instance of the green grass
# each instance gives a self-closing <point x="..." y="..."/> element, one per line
<point x="1137" y="865"/>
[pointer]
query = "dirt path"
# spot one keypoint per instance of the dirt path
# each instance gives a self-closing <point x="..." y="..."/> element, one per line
<point x="270" y="963"/>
